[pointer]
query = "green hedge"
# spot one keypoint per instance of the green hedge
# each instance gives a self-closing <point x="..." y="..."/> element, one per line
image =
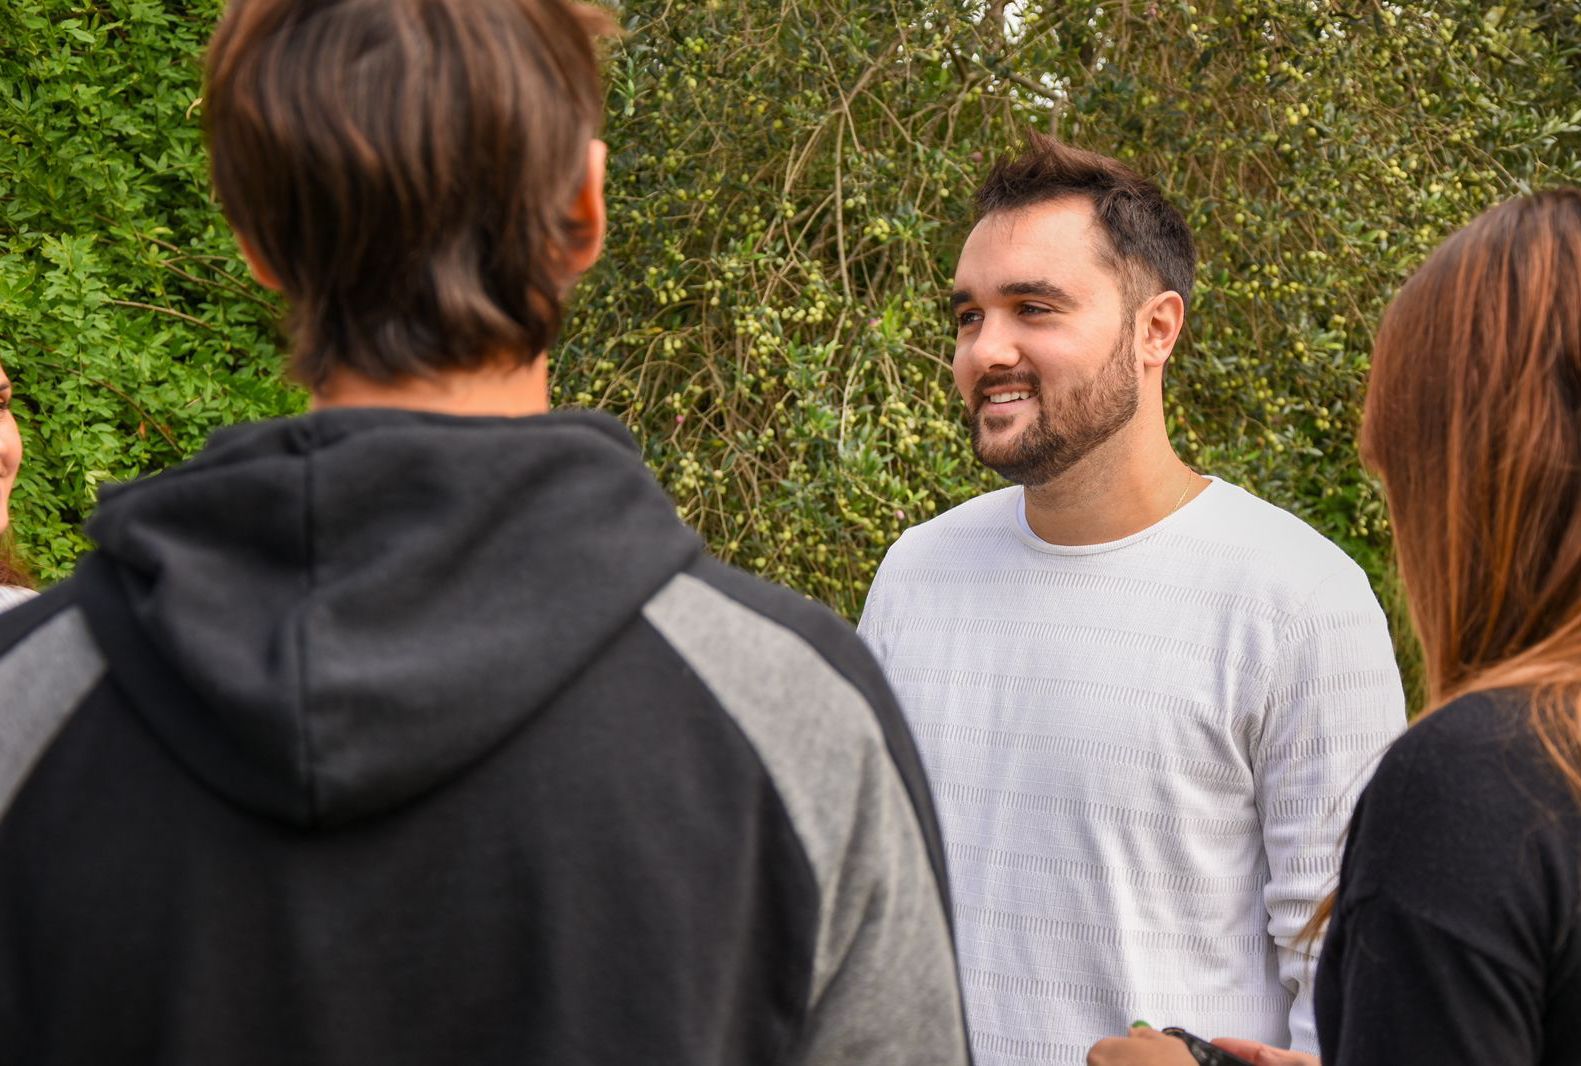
<point x="789" y="186"/>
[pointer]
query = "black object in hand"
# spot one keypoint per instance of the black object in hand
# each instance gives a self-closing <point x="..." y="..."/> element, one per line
<point x="1205" y="1053"/>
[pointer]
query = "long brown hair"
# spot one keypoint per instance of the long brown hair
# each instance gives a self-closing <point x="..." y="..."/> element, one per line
<point x="1473" y="423"/>
<point x="13" y="569"/>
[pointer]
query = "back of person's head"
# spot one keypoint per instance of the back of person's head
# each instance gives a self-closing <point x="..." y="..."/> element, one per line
<point x="1149" y="242"/>
<point x="403" y="169"/>
<point x="1473" y="422"/>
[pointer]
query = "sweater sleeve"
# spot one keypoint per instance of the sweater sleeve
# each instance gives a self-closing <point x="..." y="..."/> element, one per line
<point x="1334" y="703"/>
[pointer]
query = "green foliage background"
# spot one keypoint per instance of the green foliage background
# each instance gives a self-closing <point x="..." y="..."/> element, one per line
<point x="789" y="186"/>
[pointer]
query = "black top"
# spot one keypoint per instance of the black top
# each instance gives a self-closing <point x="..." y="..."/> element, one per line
<point x="1455" y="938"/>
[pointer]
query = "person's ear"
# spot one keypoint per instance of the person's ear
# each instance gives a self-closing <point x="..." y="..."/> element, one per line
<point x="255" y="263"/>
<point x="586" y="214"/>
<point x="1158" y="325"/>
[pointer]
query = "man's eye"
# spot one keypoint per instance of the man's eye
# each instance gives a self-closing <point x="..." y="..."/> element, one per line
<point x="1036" y="309"/>
<point x="968" y="318"/>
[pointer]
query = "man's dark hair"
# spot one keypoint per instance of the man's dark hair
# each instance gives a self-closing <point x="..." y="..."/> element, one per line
<point x="405" y="167"/>
<point x="1149" y="242"/>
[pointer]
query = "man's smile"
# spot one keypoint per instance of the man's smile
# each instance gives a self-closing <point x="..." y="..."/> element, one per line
<point x="1006" y="396"/>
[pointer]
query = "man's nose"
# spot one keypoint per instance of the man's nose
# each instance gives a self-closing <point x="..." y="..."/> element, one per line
<point x="995" y="346"/>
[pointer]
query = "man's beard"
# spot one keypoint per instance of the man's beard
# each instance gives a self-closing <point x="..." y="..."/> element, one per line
<point x="1068" y="428"/>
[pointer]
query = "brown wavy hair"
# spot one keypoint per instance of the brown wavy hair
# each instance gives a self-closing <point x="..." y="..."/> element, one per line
<point x="13" y="568"/>
<point x="405" y="168"/>
<point x="1473" y="423"/>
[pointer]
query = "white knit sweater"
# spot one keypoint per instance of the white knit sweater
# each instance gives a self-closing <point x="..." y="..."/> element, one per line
<point x="1144" y="754"/>
<point x="10" y="596"/>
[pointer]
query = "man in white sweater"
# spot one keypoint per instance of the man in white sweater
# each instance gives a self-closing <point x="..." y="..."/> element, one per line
<point x="1146" y="699"/>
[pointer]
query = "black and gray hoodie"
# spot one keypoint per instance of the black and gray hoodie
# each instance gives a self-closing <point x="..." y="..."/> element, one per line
<point x="379" y="738"/>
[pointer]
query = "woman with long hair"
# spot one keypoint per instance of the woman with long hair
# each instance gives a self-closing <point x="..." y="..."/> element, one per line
<point x="15" y="581"/>
<point x="1455" y="933"/>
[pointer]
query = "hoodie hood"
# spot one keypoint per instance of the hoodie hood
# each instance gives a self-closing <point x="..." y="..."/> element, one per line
<point x="327" y="616"/>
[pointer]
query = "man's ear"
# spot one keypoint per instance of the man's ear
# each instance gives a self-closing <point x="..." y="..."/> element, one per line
<point x="255" y="263"/>
<point x="586" y="213"/>
<point x="1158" y="325"/>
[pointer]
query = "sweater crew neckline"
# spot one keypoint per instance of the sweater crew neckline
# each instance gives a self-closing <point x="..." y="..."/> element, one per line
<point x="1023" y="528"/>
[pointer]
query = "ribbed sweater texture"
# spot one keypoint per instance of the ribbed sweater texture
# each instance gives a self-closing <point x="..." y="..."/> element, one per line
<point x="10" y="596"/>
<point x="1144" y="754"/>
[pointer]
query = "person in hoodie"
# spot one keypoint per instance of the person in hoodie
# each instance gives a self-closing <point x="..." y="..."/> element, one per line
<point x="418" y="729"/>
